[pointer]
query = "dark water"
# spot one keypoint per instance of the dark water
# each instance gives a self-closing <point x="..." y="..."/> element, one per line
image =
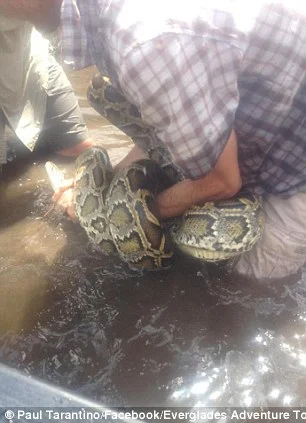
<point x="193" y="335"/>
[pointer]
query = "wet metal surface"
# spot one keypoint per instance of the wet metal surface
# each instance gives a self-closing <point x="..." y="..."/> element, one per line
<point x="193" y="335"/>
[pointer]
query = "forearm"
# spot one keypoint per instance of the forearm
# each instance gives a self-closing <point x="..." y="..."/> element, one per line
<point x="176" y="200"/>
<point x="136" y="153"/>
<point x="222" y="182"/>
<point x="77" y="149"/>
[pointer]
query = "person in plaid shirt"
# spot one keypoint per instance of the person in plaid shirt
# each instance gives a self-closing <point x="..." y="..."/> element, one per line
<point x="223" y="85"/>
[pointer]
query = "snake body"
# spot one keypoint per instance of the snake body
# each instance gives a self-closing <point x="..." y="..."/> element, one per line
<point x="93" y="177"/>
<point x="119" y="215"/>
<point x="220" y="230"/>
<point x="136" y="230"/>
<point x="118" y="211"/>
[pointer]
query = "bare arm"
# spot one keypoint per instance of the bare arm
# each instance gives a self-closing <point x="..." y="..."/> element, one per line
<point x="222" y="182"/>
<point x="135" y="154"/>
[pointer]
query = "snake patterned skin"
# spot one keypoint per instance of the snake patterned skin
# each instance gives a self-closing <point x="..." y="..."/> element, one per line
<point x="118" y="211"/>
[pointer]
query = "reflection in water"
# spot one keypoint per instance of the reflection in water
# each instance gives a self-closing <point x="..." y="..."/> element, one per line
<point x="194" y="335"/>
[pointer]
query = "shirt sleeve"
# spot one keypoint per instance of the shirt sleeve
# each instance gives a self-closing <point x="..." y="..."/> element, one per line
<point x="186" y="88"/>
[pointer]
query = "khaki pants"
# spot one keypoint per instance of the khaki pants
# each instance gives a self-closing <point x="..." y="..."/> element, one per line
<point x="281" y="251"/>
<point x="63" y="125"/>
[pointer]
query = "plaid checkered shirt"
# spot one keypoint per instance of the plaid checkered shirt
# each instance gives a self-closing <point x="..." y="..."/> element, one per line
<point x="198" y="69"/>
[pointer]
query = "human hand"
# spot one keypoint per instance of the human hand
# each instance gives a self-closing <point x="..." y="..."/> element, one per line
<point x="136" y="153"/>
<point x="64" y="198"/>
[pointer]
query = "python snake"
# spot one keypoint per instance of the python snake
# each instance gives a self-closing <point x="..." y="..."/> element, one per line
<point x="119" y="214"/>
<point x="118" y="211"/>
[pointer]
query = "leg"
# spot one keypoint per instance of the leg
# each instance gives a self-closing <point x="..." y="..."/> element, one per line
<point x="281" y="251"/>
<point x="64" y="128"/>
